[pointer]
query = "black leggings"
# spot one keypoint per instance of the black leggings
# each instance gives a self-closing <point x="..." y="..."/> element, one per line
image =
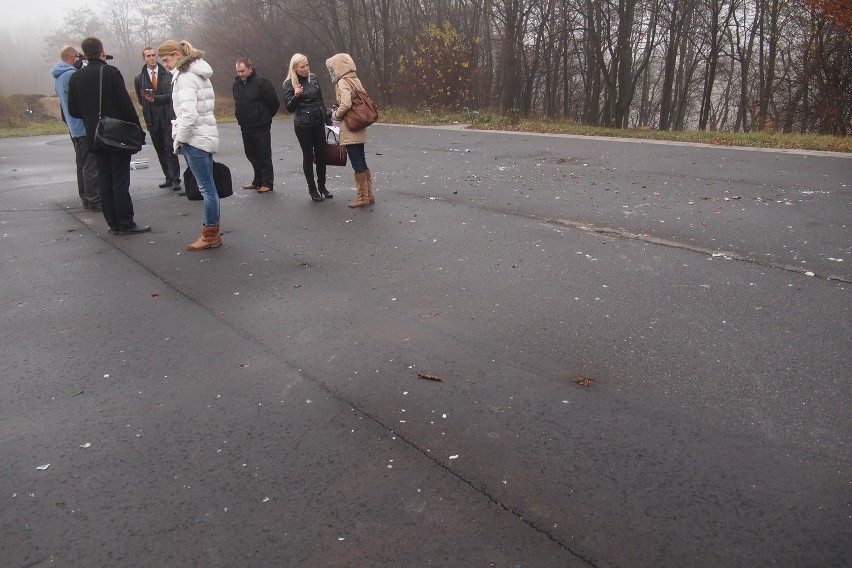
<point x="312" y="141"/>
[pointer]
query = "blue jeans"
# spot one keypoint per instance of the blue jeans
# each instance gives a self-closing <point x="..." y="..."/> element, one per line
<point x="201" y="164"/>
<point x="356" y="156"/>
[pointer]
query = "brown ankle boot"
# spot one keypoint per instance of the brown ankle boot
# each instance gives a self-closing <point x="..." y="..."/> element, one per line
<point x="370" y="196"/>
<point x="210" y="238"/>
<point x="361" y="199"/>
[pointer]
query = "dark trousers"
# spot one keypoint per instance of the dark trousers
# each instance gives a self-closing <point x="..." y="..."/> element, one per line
<point x="161" y="139"/>
<point x="87" y="172"/>
<point x="114" y="180"/>
<point x="312" y="141"/>
<point x="357" y="157"/>
<point x="258" y="147"/>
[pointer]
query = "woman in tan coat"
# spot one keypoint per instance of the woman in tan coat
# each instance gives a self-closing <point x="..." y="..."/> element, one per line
<point x="342" y="70"/>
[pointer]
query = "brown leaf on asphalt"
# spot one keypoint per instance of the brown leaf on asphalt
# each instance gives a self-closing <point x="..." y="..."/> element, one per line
<point x="430" y="377"/>
<point x="583" y="381"/>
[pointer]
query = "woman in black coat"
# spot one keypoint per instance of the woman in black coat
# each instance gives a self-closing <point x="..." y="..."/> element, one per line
<point x="303" y="97"/>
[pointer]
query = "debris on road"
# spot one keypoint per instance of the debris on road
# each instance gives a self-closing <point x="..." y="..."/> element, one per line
<point x="583" y="381"/>
<point x="429" y="377"/>
<point x="43" y="467"/>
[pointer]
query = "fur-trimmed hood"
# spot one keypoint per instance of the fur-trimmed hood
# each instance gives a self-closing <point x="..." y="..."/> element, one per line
<point x="340" y="66"/>
<point x="195" y="64"/>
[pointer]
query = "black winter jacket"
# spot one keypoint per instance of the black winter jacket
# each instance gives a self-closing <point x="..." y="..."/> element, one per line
<point x="309" y="108"/>
<point x="255" y="103"/>
<point x="83" y="97"/>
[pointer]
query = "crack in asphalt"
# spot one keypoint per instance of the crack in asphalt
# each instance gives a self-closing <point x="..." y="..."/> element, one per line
<point x="623" y="234"/>
<point x="340" y="397"/>
<point x="469" y="482"/>
<point x="628" y="235"/>
<point x="547" y="221"/>
<point x="661" y="241"/>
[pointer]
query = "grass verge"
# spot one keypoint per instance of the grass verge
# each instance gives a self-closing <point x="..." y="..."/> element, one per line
<point x="25" y="115"/>
<point x="514" y="123"/>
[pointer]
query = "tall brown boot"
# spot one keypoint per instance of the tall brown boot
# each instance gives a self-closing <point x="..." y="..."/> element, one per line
<point x="361" y="199"/>
<point x="370" y="196"/>
<point x="210" y="238"/>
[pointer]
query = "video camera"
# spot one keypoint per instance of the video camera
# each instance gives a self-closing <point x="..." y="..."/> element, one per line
<point x="78" y="63"/>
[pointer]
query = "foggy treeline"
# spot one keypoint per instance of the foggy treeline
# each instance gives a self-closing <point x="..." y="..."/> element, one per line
<point x="730" y="65"/>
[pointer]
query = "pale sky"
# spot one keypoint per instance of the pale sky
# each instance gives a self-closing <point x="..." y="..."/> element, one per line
<point x="44" y="11"/>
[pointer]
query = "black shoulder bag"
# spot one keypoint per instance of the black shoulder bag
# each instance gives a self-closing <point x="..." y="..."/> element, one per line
<point x="113" y="134"/>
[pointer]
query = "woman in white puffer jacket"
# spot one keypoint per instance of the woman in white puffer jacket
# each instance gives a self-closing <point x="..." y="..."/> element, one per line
<point x="194" y="129"/>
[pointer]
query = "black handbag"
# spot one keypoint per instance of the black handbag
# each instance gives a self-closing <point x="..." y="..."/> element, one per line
<point x="113" y="134"/>
<point x="335" y="154"/>
<point x="221" y="177"/>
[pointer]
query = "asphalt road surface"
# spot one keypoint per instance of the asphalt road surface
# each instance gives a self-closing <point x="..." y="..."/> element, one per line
<point x="644" y="351"/>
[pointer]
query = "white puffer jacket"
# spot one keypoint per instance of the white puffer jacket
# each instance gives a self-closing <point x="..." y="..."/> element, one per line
<point x="194" y="102"/>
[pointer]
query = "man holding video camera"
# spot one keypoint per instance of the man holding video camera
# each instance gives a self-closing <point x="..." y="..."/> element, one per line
<point x="153" y="87"/>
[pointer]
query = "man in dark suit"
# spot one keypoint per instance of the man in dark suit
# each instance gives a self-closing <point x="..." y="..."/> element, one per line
<point x="86" y="102"/>
<point x="153" y="87"/>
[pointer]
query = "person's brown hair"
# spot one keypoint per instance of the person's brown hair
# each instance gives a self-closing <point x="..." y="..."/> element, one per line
<point x="92" y="47"/>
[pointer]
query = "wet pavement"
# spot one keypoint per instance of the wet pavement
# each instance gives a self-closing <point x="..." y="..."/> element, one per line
<point x="644" y="353"/>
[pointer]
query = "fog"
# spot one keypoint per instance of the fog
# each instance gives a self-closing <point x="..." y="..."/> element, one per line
<point x="26" y="68"/>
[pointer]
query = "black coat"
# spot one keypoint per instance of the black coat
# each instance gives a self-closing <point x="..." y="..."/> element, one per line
<point x="159" y="113"/>
<point x="255" y="103"/>
<point x="83" y="97"/>
<point x="309" y="108"/>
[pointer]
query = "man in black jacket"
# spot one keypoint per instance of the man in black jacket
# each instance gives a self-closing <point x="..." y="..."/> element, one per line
<point x="255" y="103"/>
<point x="153" y="86"/>
<point x="85" y="102"/>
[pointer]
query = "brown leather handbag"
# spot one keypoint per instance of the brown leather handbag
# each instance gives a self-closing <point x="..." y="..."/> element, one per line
<point x="363" y="111"/>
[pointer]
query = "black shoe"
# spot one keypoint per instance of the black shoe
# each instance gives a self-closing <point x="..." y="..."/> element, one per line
<point x="325" y="193"/>
<point x="86" y="205"/>
<point x="314" y="194"/>
<point x="113" y="230"/>
<point x="165" y="184"/>
<point x="176" y="186"/>
<point x="134" y="230"/>
<point x="95" y="208"/>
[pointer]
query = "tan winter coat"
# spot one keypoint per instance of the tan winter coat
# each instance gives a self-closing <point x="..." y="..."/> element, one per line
<point x="342" y="70"/>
